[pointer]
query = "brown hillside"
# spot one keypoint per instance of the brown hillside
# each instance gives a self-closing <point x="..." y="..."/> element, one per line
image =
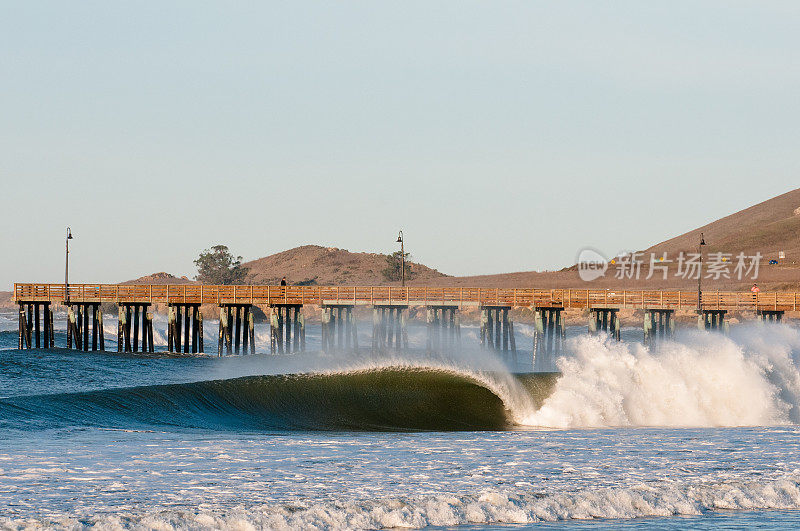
<point x="768" y="227"/>
<point x="328" y="265"/>
<point x="159" y="278"/>
<point x="5" y="299"/>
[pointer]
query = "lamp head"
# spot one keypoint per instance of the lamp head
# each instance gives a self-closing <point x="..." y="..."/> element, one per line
<point x="69" y="233"/>
<point x="702" y="240"/>
<point x="400" y="237"/>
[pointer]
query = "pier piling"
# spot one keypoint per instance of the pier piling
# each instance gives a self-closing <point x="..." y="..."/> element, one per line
<point x="497" y="330"/>
<point x="85" y="330"/>
<point x="443" y="332"/>
<point x="29" y="324"/>
<point x="32" y="315"/>
<point x="95" y="325"/>
<point x="134" y="328"/>
<point x="37" y="328"/>
<point x="70" y="324"/>
<point x="245" y="329"/>
<point x="769" y="316"/>
<point x="52" y="331"/>
<point x="287" y="328"/>
<point x="101" y="332"/>
<point x="174" y="328"/>
<point x="338" y="326"/>
<point x="605" y="320"/>
<point x="549" y="333"/>
<point x="251" y="330"/>
<point x="221" y="336"/>
<point x="713" y="320"/>
<point x="200" y="347"/>
<point x="227" y="331"/>
<point x="23" y="328"/>
<point x="195" y="328"/>
<point x="659" y="324"/>
<point x="388" y="327"/>
<point x="182" y="320"/>
<point x="84" y="324"/>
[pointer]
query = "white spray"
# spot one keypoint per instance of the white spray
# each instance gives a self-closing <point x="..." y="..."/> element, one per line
<point x="700" y="379"/>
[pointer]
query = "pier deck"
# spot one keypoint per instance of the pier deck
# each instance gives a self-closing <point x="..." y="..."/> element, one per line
<point x="386" y="295"/>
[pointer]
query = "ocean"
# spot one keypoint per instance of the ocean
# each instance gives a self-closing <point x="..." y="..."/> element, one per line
<point x="701" y="433"/>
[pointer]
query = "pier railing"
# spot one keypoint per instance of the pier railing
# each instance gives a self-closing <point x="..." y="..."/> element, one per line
<point x="386" y="295"/>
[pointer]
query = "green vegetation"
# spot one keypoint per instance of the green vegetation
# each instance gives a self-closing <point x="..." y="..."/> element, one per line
<point x="218" y="266"/>
<point x="394" y="266"/>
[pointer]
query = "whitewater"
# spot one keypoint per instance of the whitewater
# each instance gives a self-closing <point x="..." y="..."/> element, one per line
<point x="700" y="432"/>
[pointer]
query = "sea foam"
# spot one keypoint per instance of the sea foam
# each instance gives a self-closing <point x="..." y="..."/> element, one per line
<point x="488" y="506"/>
<point x="750" y="378"/>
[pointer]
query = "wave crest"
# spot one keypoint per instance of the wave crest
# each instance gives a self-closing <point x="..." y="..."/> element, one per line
<point x="377" y="398"/>
<point x="750" y="378"/>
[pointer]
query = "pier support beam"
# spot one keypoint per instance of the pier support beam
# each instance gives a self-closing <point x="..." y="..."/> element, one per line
<point x="712" y="320"/>
<point x="129" y="332"/>
<point x="52" y="328"/>
<point x="605" y="320"/>
<point x="185" y="328"/>
<point x="98" y="325"/>
<point x="23" y="327"/>
<point x="497" y="331"/>
<point x="32" y="315"/>
<point x="389" y="330"/>
<point x="84" y="326"/>
<point x="769" y="316"/>
<point x="444" y="328"/>
<point x="659" y="324"/>
<point x="339" y="330"/>
<point x="236" y="329"/>
<point x="549" y="332"/>
<point x="72" y="330"/>
<point x="287" y="330"/>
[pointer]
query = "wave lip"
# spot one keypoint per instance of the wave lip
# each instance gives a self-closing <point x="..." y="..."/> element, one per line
<point x="388" y="398"/>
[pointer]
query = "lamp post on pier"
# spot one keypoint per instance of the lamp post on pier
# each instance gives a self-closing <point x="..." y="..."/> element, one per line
<point x="700" y="275"/>
<point x="402" y="258"/>
<point x="66" y="269"/>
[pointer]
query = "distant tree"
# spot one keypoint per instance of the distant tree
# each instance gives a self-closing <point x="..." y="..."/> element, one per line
<point x="218" y="266"/>
<point x="394" y="266"/>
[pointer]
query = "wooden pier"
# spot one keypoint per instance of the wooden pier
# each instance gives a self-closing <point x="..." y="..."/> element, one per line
<point x="189" y="294"/>
<point x="284" y="308"/>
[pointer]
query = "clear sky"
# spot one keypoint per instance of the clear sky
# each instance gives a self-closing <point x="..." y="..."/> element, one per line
<point x="500" y="136"/>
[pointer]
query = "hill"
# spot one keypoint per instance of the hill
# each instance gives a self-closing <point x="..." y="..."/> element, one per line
<point x="5" y="300"/>
<point x="768" y="227"/>
<point x="315" y="264"/>
<point x="160" y="278"/>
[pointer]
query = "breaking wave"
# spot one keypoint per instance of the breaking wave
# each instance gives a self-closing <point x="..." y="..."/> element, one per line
<point x="748" y="379"/>
<point x="378" y="398"/>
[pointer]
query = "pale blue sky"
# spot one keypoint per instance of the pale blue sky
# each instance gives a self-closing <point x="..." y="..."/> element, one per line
<point x="501" y="136"/>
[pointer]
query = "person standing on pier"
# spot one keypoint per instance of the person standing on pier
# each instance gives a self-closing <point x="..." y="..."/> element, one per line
<point x="283" y="281"/>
